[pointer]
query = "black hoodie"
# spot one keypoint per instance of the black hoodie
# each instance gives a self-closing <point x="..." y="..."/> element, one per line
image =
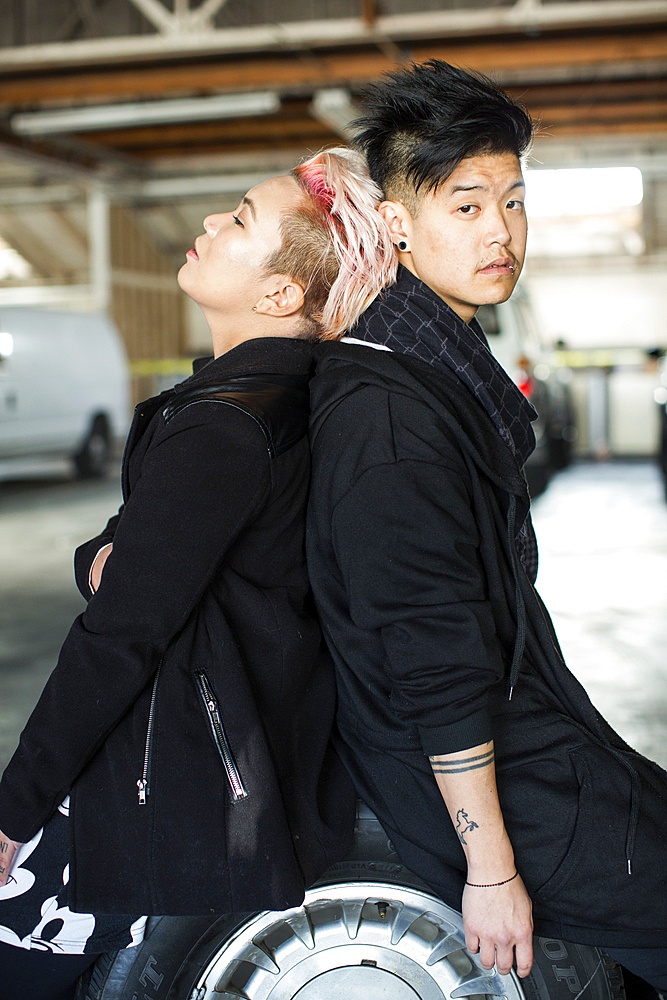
<point x="431" y="619"/>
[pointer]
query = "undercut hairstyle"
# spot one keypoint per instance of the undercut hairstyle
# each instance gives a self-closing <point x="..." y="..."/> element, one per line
<point x="421" y="122"/>
<point x="336" y="245"/>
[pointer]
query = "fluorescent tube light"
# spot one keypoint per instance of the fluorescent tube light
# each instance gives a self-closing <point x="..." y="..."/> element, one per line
<point x="103" y="116"/>
<point x="335" y="108"/>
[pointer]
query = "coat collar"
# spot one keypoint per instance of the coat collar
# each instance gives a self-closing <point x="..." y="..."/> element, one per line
<point x="264" y="355"/>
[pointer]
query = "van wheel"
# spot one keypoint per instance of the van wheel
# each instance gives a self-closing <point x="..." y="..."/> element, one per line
<point x="353" y="939"/>
<point x="92" y="459"/>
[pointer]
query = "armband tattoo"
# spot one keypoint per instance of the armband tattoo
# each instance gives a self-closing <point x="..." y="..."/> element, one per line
<point x="462" y="764"/>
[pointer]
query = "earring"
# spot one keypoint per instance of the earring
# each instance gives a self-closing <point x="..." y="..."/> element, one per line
<point x="254" y="309"/>
<point x="402" y="245"/>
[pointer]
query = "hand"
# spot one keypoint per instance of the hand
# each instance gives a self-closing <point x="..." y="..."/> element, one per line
<point x="8" y="849"/>
<point x="95" y="576"/>
<point x="497" y="921"/>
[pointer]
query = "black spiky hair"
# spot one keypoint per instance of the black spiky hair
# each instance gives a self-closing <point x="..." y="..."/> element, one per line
<point x="422" y="121"/>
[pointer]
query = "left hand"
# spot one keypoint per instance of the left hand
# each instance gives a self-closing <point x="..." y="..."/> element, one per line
<point x="8" y="849"/>
<point x="498" y="921"/>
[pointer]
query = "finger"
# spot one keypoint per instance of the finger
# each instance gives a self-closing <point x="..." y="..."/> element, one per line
<point x="524" y="957"/>
<point x="504" y="959"/>
<point x="487" y="954"/>
<point x="472" y="943"/>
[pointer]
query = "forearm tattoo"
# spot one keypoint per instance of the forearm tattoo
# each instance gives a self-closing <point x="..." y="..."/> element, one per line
<point x="464" y="825"/>
<point x="462" y="764"/>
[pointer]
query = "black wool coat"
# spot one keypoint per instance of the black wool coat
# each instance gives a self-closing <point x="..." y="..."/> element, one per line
<point x="190" y="711"/>
<point x="413" y="516"/>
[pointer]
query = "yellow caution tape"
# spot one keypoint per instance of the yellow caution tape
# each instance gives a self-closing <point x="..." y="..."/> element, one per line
<point x="162" y="366"/>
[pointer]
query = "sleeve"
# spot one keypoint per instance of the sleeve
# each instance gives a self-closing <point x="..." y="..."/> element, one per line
<point x="408" y="548"/>
<point x="84" y="556"/>
<point x="200" y="483"/>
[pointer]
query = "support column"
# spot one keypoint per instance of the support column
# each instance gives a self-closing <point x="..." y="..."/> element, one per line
<point x="99" y="246"/>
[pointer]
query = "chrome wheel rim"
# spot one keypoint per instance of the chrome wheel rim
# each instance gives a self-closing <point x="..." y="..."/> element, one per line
<point x="352" y="940"/>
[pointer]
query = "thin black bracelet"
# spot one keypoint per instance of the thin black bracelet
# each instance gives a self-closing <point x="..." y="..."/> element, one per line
<point x="492" y="885"/>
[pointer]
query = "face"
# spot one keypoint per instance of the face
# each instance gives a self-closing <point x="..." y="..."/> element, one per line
<point x="469" y="239"/>
<point x="224" y="272"/>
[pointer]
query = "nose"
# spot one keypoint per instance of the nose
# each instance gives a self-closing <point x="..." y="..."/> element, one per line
<point x="497" y="230"/>
<point x="212" y="224"/>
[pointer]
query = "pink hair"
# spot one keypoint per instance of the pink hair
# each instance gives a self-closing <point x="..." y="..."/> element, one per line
<point x="345" y="198"/>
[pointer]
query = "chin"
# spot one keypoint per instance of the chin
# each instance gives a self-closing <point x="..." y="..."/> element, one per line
<point x="182" y="278"/>
<point x="500" y="293"/>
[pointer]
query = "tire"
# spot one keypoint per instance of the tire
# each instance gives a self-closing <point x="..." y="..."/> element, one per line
<point x="352" y="939"/>
<point x="92" y="459"/>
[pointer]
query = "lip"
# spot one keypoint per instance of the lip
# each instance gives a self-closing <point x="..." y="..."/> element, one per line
<point x="501" y="265"/>
<point x="192" y="254"/>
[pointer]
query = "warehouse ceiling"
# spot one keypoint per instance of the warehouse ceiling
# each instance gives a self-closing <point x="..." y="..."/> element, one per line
<point x="178" y="105"/>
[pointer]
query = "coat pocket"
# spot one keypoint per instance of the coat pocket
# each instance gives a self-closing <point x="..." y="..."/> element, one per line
<point x="614" y="874"/>
<point x="212" y="710"/>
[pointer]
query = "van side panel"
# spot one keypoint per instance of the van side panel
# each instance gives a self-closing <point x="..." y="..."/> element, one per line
<point x="64" y="369"/>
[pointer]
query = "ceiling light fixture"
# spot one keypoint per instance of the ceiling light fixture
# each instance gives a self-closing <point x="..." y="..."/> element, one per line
<point x="103" y="116"/>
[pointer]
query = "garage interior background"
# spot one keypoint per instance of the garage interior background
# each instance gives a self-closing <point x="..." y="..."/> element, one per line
<point x="124" y="122"/>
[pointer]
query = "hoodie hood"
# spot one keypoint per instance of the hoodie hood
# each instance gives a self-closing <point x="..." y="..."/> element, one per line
<point x="341" y="368"/>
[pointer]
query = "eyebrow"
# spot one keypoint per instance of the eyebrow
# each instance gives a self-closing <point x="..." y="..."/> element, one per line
<point x="483" y="187"/>
<point x="251" y="205"/>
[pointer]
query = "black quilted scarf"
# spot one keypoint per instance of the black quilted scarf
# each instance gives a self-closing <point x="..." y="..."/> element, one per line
<point x="411" y="319"/>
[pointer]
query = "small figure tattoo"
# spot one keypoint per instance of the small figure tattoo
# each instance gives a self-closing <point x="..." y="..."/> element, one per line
<point x="464" y="825"/>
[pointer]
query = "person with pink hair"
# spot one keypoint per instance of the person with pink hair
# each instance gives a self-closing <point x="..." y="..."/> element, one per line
<point x="178" y="761"/>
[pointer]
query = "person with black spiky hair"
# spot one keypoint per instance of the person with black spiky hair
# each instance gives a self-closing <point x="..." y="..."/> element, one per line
<point x="492" y="773"/>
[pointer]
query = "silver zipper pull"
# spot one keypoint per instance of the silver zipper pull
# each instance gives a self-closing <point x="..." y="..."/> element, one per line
<point x="141" y="785"/>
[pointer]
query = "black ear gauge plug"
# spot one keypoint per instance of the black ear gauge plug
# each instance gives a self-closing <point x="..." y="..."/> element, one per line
<point x="402" y="245"/>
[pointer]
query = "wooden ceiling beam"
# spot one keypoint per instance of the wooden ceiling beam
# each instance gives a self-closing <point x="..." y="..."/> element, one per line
<point x="602" y="92"/>
<point x="299" y="148"/>
<point x="352" y="67"/>
<point x="572" y="129"/>
<point x="625" y="111"/>
<point x="237" y="131"/>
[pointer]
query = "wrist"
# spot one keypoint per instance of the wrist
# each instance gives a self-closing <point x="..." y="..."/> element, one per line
<point x="492" y="885"/>
<point x="492" y="867"/>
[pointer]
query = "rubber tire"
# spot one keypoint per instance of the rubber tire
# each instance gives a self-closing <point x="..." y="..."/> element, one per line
<point x="166" y="965"/>
<point x="92" y="459"/>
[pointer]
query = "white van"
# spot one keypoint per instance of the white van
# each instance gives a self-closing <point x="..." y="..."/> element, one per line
<point x="64" y="389"/>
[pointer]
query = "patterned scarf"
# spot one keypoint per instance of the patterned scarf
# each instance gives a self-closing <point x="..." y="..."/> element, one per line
<point x="411" y="319"/>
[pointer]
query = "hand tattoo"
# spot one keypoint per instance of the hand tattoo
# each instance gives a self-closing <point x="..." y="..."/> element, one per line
<point x="464" y="825"/>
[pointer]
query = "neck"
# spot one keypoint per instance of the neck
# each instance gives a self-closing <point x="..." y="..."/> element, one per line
<point x="462" y="309"/>
<point x="227" y="332"/>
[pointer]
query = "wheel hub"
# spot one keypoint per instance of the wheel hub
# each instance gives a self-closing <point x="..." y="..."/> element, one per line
<point x="358" y="982"/>
<point x="357" y="940"/>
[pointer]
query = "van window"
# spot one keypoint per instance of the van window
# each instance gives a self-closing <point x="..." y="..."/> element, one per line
<point x="487" y="317"/>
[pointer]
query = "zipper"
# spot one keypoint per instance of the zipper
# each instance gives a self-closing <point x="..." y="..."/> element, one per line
<point x="235" y="783"/>
<point x="142" y="783"/>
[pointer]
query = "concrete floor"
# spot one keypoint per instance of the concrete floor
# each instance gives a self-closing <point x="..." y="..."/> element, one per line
<point x="603" y="542"/>
<point x="41" y="523"/>
<point x="602" y="532"/>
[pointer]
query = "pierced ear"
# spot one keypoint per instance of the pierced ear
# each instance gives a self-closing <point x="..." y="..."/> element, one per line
<point x="397" y="217"/>
<point x="286" y="299"/>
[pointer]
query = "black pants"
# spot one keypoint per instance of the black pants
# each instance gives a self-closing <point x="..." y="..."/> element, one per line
<point x="39" y="975"/>
<point x="650" y="964"/>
